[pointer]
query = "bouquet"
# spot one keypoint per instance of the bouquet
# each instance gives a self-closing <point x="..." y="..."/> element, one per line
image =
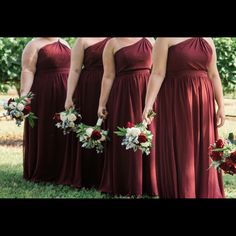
<point x="20" y="109"/>
<point x="136" y="136"/>
<point x="67" y="120"/>
<point x="223" y="156"/>
<point x="92" y="136"/>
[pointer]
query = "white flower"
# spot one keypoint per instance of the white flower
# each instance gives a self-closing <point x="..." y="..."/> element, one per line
<point x="63" y="116"/>
<point x="89" y="131"/>
<point x="135" y="132"/>
<point x="71" y="124"/>
<point x="20" y="106"/>
<point x="58" y="125"/>
<point x="130" y="139"/>
<point x="128" y="132"/>
<point x="71" y="117"/>
<point x="12" y="105"/>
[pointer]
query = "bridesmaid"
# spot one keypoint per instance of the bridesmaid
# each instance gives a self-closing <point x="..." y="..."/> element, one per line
<point x="82" y="167"/>
<point x="127" y="65"/>
<point x="187" y="82"/>
<point x="45" y="68"/>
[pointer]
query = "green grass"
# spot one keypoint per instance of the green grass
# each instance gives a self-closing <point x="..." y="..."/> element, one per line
<point x="230" y="186"/>
<point x="12" y="185"/>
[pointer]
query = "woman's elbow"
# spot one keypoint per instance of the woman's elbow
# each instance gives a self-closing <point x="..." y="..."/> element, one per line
<point x="158" y="75"/>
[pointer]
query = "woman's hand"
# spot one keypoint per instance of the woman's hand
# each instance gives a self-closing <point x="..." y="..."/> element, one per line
<point x="220" y="117"/>
<point x="69" y="103"/>
<point x="146" y="115"/>
<point x="102" y="112"/>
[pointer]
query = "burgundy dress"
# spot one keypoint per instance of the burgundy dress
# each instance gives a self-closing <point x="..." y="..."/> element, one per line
<point x="44" y="145"/>
<point x="83" y="167"/>
<point x="186" y="124"/>
<point x="127" y="172"/>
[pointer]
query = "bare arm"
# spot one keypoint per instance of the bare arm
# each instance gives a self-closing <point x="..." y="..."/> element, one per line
<point x="216" y="81"/>
<point x="28" y="65"/>
<point x="160" y="52"/>
<point x="107" y="80"/>
<point x="77" y="57"/>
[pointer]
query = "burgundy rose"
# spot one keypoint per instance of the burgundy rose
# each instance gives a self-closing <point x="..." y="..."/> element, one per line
<point x="224" y="166"/>
<point x="96" y="135"/>
<point x="228" y="167"/>
<point x="27" y="110"/>
<point x="216" y="156"/>
<point x="130" y="125"/>
<point x="233" y="157"/>
<point x="57" y="117"/>
<point x="142" y="138"/>
<point x="231" y="168"/>
<point x="219" y="143"/>
<point x="10" y="101"/>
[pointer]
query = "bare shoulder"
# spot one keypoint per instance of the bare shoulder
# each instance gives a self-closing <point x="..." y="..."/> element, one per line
<point x="85" y="42"/>
<point x="111" y="43"/>
<point x="164" y="41"/>
<point x="115" y="41"/>
<point x="80" y="42"/>
<point x="32" y="46"/>
<point x="172" y="41"/>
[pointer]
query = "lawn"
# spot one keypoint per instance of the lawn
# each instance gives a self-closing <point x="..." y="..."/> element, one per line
<point x="12" y="185"/>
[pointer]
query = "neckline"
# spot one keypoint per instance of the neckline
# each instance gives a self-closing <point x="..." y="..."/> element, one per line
<point x="191" y="39"/>
<point x="186" y="40"/>
<point x="95" y="44"/>
<point x="46" y="45"/>
<point x="129" y="45"/>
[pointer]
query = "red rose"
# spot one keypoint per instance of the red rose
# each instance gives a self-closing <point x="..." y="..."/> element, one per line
<point x="216" y="156"/>
<point x="27" y="110"/>
<point x="231" y="168"/>
<point x="233" y="157"/>
<point x="57" y="117"/>
<point x="130" y="125"/>
<point x="228" y="167"/>
<point x="219" y="143"/>
<point x="10" y="101"/>
<point x="96" y="135"/>
<point x="142" y="138"/>
<point x="224" y="166"/>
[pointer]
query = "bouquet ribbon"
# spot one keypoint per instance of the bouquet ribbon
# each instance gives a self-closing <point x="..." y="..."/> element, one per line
<point x="99" y="122"/>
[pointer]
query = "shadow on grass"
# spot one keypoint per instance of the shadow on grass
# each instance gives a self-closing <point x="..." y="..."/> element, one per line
<point x="13" y="185"/>
<point x="18" y="142"/>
